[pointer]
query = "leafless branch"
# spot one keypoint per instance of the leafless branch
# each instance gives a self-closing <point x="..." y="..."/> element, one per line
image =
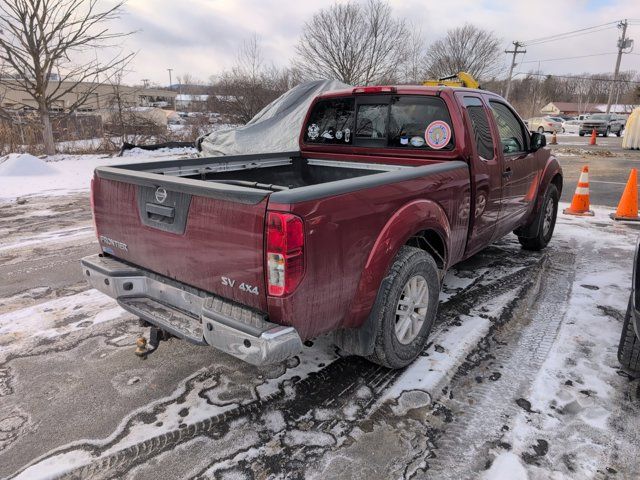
<point x="38" y="41"/>
<point x="467" y="49"/>
<point x="352" y="42"/>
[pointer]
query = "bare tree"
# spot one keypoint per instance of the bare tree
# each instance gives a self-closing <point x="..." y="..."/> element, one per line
<point x="251" y="84"/>
<point x="38" y="39"/>
<point x="465" y="49"/>
<point x="356" y="43"/>
<point x="413" y="69"/>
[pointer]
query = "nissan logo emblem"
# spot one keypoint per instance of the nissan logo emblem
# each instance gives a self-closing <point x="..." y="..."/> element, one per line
<point x="161" y="194"/>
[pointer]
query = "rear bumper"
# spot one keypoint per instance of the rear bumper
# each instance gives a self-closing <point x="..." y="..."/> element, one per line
<point x="191" y="314"/>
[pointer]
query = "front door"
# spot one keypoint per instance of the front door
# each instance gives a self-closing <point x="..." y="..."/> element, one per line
<point x="519" y="172"/>
<point x="486" y="171"/>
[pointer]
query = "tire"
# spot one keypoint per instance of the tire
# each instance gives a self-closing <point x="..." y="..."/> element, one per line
<point x="606" y="132"/>
<point x="541" y="130"/>
<point x="629" y="347"/>
<point x="581" y="134"/>
<point x="619" y="133"/>
<point x="546" y="221"/>
<point x="563" y="130"/>
<point x="391" y="349"/>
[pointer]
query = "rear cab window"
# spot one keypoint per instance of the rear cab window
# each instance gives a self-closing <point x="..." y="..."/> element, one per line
<point x="407" y="122"/>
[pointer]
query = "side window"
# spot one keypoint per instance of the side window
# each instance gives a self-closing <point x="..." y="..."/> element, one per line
<point x="331" y="122"/>
<point x="480" y="125"/>
<point x="372" y="121"/>
<point x="420" y="122"/>
<point x="511" y="134"/>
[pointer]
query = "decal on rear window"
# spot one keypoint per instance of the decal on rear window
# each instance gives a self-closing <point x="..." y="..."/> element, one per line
<point x="437" y="134"/>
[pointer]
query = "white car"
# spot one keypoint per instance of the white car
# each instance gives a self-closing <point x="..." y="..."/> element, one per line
<point x="571" y="126"/>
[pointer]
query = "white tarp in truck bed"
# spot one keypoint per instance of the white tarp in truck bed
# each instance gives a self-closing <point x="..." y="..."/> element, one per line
<point x="274" y="129"/>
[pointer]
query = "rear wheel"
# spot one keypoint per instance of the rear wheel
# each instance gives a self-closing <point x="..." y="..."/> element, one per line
<point x="405" y="308"/>
<point x="546" y="221"/>
<point x="606" y="132"/>
<point x="581" y="134"/>
<point x="619" y="133"/>
<point x="629" y="347"/>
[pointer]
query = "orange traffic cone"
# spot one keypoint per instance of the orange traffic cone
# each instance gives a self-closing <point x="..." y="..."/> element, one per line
<point x="628" y="206"/>
<point x="594" y="134"/>
<point x="580" y="203"/>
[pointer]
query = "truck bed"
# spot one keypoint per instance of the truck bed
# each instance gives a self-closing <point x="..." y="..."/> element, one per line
<point x="201" y="221"/>
<point x="270" y="172"/>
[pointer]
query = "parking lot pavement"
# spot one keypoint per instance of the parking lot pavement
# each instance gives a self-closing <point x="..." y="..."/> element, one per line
<point x="520" y="371"/>
<point x="609" y="166"/>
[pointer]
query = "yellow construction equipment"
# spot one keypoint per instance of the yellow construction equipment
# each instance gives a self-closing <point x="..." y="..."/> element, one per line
<point x="460" y="79"/>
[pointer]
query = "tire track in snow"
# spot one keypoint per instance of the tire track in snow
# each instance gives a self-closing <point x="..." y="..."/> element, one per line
<point x="350" y="373"/>
<point x="462" y="449"/>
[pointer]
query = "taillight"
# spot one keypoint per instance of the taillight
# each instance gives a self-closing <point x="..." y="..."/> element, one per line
<point x="285" y="253"/>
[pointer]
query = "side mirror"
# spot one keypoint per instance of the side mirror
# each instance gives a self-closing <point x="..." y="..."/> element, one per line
<point x="538" y="140"/>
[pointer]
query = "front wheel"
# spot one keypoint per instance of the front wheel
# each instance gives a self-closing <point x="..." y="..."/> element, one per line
<point x="581" y="134"/>
<point x="541" y="130"/>
<point x="619" y="133"/>
<point x="405" y="308"/>
<point x="629" y="346"/>
<point x="606" y="132"/>
<point x="546" y="221"/>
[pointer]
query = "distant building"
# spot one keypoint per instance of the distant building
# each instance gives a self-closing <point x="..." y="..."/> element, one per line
<point x="187" y="100"/>
<point x="572" y="108"/>
<point x="102" y="97"/>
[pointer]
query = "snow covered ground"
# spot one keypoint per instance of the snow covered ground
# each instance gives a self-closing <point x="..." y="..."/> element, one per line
<point x="24" y="174"/>
<point x="520" y="378"/>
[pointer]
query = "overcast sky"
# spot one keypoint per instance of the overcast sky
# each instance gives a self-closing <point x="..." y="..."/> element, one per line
<point x="201" y="37"/>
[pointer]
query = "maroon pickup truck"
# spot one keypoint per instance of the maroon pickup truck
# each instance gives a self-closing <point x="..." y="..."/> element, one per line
<point x="256" y="254"/>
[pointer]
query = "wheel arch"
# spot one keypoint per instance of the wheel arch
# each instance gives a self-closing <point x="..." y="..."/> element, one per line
<point x="422" y="223"/>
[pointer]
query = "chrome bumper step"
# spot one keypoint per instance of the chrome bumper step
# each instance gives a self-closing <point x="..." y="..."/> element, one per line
<point x="196" y="316"/>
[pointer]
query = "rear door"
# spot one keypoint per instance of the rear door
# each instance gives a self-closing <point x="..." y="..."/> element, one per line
<point x="486" y="171"/>
<point x="198" y="235"/>
<point x="519" y="169"/>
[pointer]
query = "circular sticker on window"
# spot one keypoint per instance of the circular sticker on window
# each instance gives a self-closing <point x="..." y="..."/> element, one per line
<point x="416" y="141"/>
<point x="437" y="134"/>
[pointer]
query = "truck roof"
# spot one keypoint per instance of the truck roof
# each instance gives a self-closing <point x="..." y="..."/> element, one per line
<point x="401" y="90"/>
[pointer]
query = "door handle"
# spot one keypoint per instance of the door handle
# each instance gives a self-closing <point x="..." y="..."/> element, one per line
<point x="507" y="173"/>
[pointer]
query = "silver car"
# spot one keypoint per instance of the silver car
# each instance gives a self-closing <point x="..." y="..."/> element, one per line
<point x="544" y="124"/>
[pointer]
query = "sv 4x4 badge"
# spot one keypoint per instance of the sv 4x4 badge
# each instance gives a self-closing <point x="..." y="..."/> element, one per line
<point x="245" y="287"/>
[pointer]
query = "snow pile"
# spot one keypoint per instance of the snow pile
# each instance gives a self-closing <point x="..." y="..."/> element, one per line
<point x="23" y="164"/>
<point x="22" y="174"/>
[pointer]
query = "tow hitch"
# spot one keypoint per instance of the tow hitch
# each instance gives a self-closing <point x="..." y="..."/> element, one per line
<point x="156" y="335"/>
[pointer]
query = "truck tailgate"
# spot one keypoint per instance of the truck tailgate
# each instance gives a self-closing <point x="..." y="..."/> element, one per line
<point x="188" y="232"/>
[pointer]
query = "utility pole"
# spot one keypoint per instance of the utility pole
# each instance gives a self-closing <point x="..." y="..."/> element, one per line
<point x="515" y="52"/>
<point x="623" y="42"/>
<point x="170" y="84"/>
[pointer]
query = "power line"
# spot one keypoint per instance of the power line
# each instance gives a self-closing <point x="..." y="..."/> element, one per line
<point x="578" y="78"/>
<point x="570" y="58"/>
<point x="561" y="36"/>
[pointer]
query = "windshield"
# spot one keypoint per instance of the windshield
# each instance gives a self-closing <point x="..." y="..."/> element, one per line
<point x="599" y="117"/>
